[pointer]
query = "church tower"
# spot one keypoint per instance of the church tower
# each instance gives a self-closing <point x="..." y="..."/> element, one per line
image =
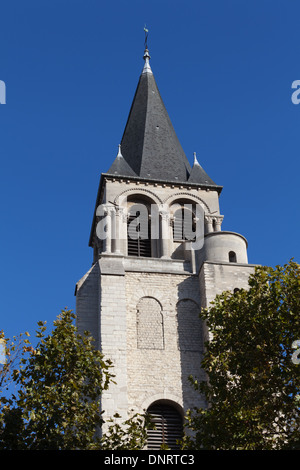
<point x="159" y="256"/>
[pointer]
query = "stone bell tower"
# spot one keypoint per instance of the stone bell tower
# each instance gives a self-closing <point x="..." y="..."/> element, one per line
<point x="159" y="256"/>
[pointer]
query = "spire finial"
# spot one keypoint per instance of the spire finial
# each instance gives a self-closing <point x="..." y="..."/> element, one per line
<point x="195" y="159"/>
<point x="147" y="68"/>
<point x="119" y="152"/>
<point x="146" y="37"/>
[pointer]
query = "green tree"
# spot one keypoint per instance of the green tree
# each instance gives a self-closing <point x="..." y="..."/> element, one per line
<point x="130" y="434"/>
<point x="13" y="352"/>
<point x="252" y="385"/>
<point x="59" y="386"/>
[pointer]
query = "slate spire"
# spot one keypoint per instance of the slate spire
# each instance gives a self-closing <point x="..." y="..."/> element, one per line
<point x="149" y="143"/>
<point x="150" y="147"/>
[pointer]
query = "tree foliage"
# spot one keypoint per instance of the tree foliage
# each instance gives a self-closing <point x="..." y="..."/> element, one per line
<point x="253" y="384"/>
<point x="58" y="392"/>
<point x="130" y="434"/>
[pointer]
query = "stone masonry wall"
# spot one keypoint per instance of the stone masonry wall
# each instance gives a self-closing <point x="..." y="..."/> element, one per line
<point x="87" y="303"/>
<point x="113" y="342"/>
<point x="149" y="322"/>
<point x="218" y="277"/>
<point x="215" y="278"/>
<point x="158" y="368"/>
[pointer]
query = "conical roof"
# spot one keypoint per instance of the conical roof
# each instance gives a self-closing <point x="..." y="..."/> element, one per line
<point x="198" y="175"/>
<point x="120" y="167"/>
<point x="150" y="147"/>
<point x="149" y="143"/>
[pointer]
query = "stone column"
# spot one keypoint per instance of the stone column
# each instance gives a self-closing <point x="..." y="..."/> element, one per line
<point x="119" y="229"/>
<point x="218" y="222"/>
<point x="208" y="219"/>
<point x="165" y="233"/>
<point x="110" y="231"/>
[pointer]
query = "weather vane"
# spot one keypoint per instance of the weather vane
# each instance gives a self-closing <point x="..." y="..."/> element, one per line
<point x="146" y="37"/>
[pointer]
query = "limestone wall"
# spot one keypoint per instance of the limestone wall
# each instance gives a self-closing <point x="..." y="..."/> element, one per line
<point x="164" y="338"/>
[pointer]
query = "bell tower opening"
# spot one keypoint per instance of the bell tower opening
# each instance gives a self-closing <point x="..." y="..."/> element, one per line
<point x="232" y="256"/>
<point x="168" y="426"/>
<point x="138" y="243"/>
<point x="140" y="240"/>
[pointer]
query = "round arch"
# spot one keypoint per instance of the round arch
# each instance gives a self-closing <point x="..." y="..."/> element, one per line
<point x="167" y="401"/>
<point x="149" y="324"/>
<point x="173" y="400"/>
<point x="188" y="197"/>
<point x="168" y="421"/>
<point x="139" y="193"/>
<point x="148" y="292"/>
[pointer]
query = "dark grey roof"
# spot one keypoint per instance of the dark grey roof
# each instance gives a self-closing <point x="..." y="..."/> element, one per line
<point x="149" y="143"/>
<point x="120" y="167"/>
<point x="150" y="147"/>
<point x="198" y="175"/>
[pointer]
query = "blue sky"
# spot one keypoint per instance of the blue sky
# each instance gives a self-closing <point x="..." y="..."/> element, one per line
<point x="224" y="69"/>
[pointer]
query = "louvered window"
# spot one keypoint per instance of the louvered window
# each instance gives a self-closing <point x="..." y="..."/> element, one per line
<point x="138" y="238"/>
<point x="183" y="225"/>
<point x="168" y="424"/>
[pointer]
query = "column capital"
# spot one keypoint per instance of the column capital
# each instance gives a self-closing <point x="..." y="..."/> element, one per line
<point x="208" y="218"/>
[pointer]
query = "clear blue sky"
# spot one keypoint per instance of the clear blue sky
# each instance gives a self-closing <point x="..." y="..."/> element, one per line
<point x="224" y="69"/>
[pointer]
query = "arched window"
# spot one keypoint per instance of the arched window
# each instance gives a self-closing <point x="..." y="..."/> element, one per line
<point x="150" y="328"/>
<point x="168" y="426"/>
<point x="232" y="257"/>
<point x="138" y="240"/>
<point x="184" y="224"/>
<point x="139" y="229"/>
